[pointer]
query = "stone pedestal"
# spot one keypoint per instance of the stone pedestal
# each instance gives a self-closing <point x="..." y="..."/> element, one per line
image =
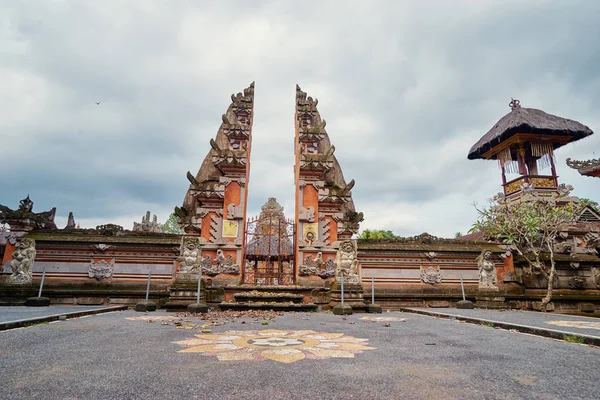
<point x="492" y="300"/>
<point x="144" y="306"/>
<point x="16" y="294"/>
<point x="184" y="291"/>
<point x="353" y="296"/>
<point x="37" y="302"/>
<point x="196" y="308"/>
<point x="374" y="309"/>
<point x="465" y="305"/>
<point x="340" y="309"/>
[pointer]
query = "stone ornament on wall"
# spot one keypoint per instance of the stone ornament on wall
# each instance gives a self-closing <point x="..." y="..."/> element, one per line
<point x="347" y="263"/>
<point x="317" y="267"/>
<point x="487" y="271"/>
<point x="431" y="275"/>
<point x="101" y="269"/>
<point x="221" y="265"/>
<point x="577" y="282"/>
<point x="22" y="261"/>
<point x="235" y="212"/>
<point x="189" y="260"/>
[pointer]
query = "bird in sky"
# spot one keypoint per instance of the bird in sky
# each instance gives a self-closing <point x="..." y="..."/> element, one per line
<point x="97" y="103"/>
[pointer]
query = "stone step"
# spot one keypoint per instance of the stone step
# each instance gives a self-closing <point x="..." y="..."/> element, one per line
<point x="284" y="298"/>
<point x="269" y="306"/>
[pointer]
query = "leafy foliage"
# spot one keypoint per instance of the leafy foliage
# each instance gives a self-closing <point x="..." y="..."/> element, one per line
<point x="171" y="225"/>
<point x="591" y="203"/>
<point x="530" y="227"/>
<point x="376" y="234"/>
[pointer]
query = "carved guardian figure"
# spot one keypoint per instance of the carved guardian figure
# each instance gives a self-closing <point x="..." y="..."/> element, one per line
<point x="189" y="260"/>
<point x="347" y="263"/>
<point x="487" y="271"/>
<point x="22" y="261"/>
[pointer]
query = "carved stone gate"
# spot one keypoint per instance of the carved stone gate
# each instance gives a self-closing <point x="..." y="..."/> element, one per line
<point x="269" y="244"/>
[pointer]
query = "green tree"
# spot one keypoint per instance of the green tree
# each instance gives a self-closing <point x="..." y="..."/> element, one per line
<point x="171" y="225"/>
<point x="530" y="227"/>
<point x="457" y="235"/>
<point x="376" y="234"/>
<point x="591" y="203"/>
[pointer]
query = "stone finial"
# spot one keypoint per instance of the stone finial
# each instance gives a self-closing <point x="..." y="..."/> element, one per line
<point x="146" y="225"/>
<point x="70" y="222"/>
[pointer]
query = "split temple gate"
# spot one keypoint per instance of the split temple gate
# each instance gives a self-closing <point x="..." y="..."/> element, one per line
<point x="305" y="255"/>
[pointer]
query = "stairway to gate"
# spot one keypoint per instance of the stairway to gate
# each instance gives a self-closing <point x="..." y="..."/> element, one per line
<point x="278" y="298"/>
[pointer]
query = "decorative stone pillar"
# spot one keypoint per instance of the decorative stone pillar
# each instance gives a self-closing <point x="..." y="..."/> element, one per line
<point x="185" y="288"/>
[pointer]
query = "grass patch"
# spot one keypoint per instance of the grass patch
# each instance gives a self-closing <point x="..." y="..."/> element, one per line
<point x="488" y="325"/>
<point x="37" y="323"/>
<point x="573" y="339"/>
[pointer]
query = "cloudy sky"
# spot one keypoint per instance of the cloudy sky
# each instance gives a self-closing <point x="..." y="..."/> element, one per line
<point x="406" y="89"/>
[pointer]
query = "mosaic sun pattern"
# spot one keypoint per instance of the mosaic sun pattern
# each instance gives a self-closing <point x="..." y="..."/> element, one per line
<point x="277" y="345"/>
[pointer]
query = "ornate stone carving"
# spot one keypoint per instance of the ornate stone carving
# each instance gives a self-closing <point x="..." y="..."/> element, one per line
<point x="307" y="214"/>
<point x="347" y="262"/>
<point x="487" y="271"/>
<point x="216" y="229"/>
<point x="101" y="269"/>
<point x="431" y="254"/>
<point x="189" y="260"/>
<point x="311" y="266"/>
<point x="101" y="247"/>
<point x="425" y="238"/>
<point x="147" y="226"/>
<point x="221" y="265"/>
<point x="592" y="242"/>
<point x="596" y="276"/>
<point x="25" y="219"/>
<point x="109" y="229"/>
<point x="577" y="282"/>
<point x="574" y="264"/>
<point x="431" y="275"/>
<point x="235" y="212"/>
<point x="71" y="222"/>
<point x="22" y="261"/>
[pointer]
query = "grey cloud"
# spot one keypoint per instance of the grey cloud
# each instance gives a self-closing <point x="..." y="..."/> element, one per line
<point x="406" y="89"/>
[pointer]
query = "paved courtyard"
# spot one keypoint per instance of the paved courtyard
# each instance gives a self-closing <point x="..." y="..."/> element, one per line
<point x="129" y="355"/>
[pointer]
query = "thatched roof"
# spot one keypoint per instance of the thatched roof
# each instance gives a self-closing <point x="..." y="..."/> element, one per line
<point x="528" y="120"/>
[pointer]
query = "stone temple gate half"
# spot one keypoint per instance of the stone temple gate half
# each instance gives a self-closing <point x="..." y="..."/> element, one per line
<point x="269" y="249"/>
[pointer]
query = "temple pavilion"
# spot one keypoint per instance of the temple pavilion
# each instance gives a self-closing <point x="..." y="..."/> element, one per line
<point x="523" y="142"/>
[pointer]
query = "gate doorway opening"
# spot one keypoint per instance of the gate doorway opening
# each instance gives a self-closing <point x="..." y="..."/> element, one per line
<point x="270" y="247"/>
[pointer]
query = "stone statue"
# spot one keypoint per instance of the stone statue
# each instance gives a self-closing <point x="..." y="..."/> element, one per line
<point x="189" y="260"/>
<point x="347" y="263"/>
<point x="26" y="205"/>
<point x="487" y="271"/>
<point x="22" y="261"/>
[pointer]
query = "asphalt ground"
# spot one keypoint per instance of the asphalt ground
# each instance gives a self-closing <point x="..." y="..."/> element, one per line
<point x="107" y="356"/>
<point x="15" y="313"/>
<point x="561" y="322"/>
